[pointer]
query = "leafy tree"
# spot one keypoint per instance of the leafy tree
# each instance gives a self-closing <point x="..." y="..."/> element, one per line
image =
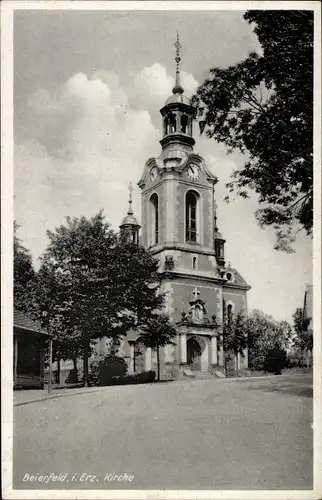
<point x="138" y="283"/>
<point x="263" y="107"/>
<point x="264" y="333"/>
<point x="23" y="274"/>
<point x="94" y="285"/>
<point x="158" y="332"/>
<point x="234" y="334"/>
<point x="303" y="339"/>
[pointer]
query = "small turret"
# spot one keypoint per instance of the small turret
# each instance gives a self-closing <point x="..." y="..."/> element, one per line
<point x="130" y="228"/>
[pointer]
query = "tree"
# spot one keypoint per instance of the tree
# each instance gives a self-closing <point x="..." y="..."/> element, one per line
<point x="303" y="339"/>
<point x="94" y="285"/>
<point x="264" y="334"/>
<point x="263" y="107"/>
<point x="138" y="283"/>
<point x="158" y="332"/>
<point x="234" y="335"/>
<point x="23" y="274"/>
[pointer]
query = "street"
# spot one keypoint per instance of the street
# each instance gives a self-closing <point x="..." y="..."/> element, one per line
<point x="205" y="434"/>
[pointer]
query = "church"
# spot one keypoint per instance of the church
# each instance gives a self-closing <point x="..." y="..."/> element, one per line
<point x="179" y="228"/>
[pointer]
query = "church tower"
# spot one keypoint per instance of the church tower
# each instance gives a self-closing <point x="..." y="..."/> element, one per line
<point x="179" y="227"/>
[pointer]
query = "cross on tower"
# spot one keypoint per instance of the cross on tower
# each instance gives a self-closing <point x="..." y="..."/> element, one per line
<point x="196" y="292"/>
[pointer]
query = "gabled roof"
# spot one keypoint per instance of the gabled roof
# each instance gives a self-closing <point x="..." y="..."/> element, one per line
<point x="238" y="279"/>
<point x="21" y="320"/>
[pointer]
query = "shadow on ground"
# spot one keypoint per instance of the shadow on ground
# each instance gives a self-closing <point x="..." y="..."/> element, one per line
<point x="300" y="388"/>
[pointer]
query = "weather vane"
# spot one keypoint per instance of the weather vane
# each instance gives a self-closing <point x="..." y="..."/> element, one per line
<point x="177" y="87"/>
<point x="178" y="47"/>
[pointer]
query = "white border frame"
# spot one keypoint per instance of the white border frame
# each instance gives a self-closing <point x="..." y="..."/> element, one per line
<point x="7" y="10"/>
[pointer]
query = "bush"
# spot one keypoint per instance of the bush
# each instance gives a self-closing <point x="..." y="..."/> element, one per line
<point x="256" y="361"/>
<point x="106" y="370"/>
<point x="275" y="360"/>
<point x="136" y="378"/>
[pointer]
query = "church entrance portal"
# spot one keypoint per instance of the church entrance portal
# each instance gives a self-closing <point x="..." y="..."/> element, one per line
<point x="194" y="354"/>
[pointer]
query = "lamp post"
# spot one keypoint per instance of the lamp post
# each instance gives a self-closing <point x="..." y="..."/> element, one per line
<point x="50" y="364"/>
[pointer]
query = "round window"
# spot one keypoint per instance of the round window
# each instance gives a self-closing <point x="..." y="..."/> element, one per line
<point x="229" y="276"/>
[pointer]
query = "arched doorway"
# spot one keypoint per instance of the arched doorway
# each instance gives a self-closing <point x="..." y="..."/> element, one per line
<point x="194" y="354"/>
<point x="139" y="356"/>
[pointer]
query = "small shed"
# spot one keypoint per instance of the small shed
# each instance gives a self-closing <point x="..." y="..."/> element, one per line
<point x="29" y="342"/>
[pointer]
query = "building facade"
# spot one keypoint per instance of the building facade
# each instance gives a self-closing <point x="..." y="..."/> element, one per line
<point x="29" y="343"/>
<point x="179" y="227"/>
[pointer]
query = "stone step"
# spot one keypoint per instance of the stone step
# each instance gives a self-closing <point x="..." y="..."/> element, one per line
<point x="188" y="373"/>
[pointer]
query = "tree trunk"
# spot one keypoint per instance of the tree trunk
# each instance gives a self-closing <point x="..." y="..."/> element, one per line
<point x="75" y="374"/>
<point x="58" y="370"/>
<point x="85" y="359"/>
<point x="158" y="362"/>
<point x="237" y="368"/>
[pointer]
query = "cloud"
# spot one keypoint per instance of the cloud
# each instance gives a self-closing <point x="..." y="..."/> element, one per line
<point x="86" y="145"/>
<point x="153" y="85"/>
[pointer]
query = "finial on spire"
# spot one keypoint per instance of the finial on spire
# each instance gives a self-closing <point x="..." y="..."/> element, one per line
<point x="177" y="89"/>
<point x="131" y="189"/>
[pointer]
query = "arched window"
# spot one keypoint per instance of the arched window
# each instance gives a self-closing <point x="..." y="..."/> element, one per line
<point x="229" y="310"/>
<point x="154" y="226"/>
<point x="165" y="125"/>
<point x="184" y="123"/>
<point x="191" y="216"/>
<point x="171" y="123"/>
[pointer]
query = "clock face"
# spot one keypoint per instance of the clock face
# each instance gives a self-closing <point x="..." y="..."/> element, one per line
<point x="153" y="174"/>
<point x="193" y="172"/>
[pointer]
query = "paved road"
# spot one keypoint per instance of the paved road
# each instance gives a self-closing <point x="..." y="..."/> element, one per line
<point x="205" y="434"/>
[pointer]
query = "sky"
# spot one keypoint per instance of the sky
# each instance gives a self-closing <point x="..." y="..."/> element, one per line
<point x="88" y="86"/>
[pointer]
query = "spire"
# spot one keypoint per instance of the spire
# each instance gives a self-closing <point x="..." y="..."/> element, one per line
<point x="177" y="89"/>
<point x="130" y="210"/>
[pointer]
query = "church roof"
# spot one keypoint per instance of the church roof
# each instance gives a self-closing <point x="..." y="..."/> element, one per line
<point x="238" y="279"/>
